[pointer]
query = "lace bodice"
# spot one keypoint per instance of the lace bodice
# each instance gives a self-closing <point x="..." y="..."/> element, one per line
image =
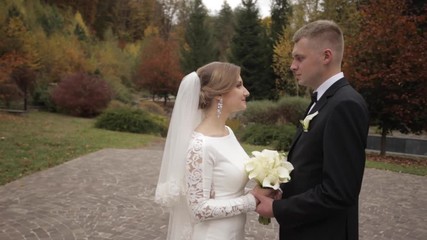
<point x="215" y="178"/>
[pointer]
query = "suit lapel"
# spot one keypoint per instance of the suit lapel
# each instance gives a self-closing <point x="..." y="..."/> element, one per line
<point x="328" y="94"/>
<point x="297" y="135"/>
<point x="319" y="105"/>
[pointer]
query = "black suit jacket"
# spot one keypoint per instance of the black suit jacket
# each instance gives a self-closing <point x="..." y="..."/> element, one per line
<point x="321" y="200"/>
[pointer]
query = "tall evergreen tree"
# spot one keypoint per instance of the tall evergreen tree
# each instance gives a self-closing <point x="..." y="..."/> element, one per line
<point x="281" y="10"/>
<point x="198" y="48"/>
<point x="250" y="50"/>
<point x="224" y="31"/>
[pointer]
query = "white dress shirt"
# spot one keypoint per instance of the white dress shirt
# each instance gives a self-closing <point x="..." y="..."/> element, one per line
<point x="325" y="85"/>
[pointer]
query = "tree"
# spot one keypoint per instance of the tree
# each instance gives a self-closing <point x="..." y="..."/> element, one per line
<point x="129" y="18"/>
<point x="25" y="79"/>
<point x="343" y="12"/>
<point x="181" y="22"/>
<point x="250" y="50"/>
<point x="62" y="55"/>
<point x="10" y="46"/>
<point x="159" y="71"/>
<point x="51" y="20"/>
<point x="309" y="8"/>
<point x="16" y="53"/>
<point x="388" y="65"/>
<point x="121" y="21"/>
<point x="224" y="31"/>
<point x="81" y="30"/>
<point x="9" y="93"/>
<point x="418" y="8"/>
<point x="281" y="11"/>
<point x="198" y="47"/>
<point x="167" y="14"/>
<point x="282" y="59"/>
<point x="88" y="9"/>
<point x="103" y="18"/>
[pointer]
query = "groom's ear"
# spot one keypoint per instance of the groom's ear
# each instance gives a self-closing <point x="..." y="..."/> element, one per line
<point x="327" y="56"/>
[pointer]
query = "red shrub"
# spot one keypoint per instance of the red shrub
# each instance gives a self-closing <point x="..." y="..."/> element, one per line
<point x="82" y="95"/>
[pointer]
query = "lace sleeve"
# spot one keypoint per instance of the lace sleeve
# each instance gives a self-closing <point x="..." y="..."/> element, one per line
<point x="199" y="196"/>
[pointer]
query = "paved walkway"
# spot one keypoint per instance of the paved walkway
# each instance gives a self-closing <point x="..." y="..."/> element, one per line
<point x="109" y="195"/>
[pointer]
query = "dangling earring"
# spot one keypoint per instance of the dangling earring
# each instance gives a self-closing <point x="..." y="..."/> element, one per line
<point x="219" y="108"/>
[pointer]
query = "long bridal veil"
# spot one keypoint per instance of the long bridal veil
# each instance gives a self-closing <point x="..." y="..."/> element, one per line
<point x="171" y="185"/>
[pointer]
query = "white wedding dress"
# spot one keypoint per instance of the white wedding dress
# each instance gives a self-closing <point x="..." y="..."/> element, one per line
<point x="215" y="183"/>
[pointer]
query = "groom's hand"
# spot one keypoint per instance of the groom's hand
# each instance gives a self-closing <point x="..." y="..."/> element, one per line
<point x="257" y="190"/>
<point x="265" y="206"/>
<point x="277" y="195"/>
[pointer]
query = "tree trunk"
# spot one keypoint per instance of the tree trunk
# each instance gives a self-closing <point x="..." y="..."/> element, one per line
<point x="25" y="100"/>
<point x="165" y="99"/>
<point x="383" y="141"/>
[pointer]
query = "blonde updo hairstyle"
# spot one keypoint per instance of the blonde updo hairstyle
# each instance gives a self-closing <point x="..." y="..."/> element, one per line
<point x="216" y="78"/>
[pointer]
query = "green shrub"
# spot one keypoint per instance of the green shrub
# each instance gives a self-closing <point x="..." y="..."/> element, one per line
<point x="286" y="110"/>
<point x="117" y="104"/>
<point x="278" y="137"/>
<point x="161" y="121"/>
<point x="284" y="137"/>
<point x="291" y="109"/>
<point x="132" y="120"/>
<point x="120" y="91"/>
<point x="263" y="111"/>
<point x="41" y="97"/>
<point x="152" y="107"/>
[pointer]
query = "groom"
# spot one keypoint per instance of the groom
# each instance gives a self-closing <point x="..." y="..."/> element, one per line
<point x="321" y="200"/>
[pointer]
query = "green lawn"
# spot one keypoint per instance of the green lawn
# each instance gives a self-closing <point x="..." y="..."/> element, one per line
<point x="415" y="169"/>
<point x="39" y="140"/>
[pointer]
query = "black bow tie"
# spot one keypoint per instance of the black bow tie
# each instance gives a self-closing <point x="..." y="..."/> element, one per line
<point x="314" y="97"/>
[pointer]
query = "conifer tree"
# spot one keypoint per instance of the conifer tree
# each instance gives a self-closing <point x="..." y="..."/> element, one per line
<point x="224" y="31"/>
<point x="250" y="50"/>
<point x="198" y="47"/>
<point x="281" y="11"/>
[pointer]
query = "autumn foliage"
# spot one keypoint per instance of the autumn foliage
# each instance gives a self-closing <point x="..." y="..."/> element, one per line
<point x="159" y="71"/>
<point x="9" y="91"/>
<point x="387" y="62"/>
<point x="82" y="94"/>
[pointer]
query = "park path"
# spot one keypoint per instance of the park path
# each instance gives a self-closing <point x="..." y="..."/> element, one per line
<point x="109" y="195"/>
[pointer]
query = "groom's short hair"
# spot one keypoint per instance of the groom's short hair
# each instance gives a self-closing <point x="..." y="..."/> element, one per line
<point x="325" y="32"/>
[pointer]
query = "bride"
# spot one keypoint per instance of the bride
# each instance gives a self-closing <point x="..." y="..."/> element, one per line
<point x="202" y="177"/>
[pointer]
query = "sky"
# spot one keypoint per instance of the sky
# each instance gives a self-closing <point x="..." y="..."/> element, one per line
<point x="215" y="5"/>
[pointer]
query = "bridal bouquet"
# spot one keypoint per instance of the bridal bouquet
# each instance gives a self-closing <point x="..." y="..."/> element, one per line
<point x="268" y="168"/>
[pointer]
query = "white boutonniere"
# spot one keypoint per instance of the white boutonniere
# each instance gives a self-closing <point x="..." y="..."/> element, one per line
<point x="306" y="122"/>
